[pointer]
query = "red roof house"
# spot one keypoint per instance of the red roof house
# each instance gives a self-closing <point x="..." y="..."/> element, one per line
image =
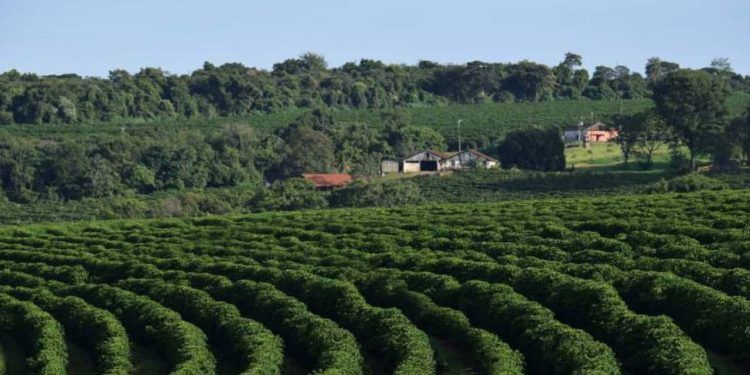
<point x="328" y="180"/>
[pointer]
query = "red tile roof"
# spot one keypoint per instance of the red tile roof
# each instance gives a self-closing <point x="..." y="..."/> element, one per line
<point x="325" y="180"/>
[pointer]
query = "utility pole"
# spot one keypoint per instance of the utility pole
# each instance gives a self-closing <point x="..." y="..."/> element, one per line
<point x="459" y="134"/>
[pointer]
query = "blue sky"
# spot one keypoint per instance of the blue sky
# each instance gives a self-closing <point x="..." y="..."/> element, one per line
<point x="92" y="37"/>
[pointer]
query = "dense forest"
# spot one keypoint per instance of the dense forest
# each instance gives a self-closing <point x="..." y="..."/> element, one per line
<point x="307" y="82"/>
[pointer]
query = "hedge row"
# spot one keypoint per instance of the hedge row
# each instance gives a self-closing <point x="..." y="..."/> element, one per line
<point x="183" y="344"/>
<point x="489" y="354"/>
<point x="646" y="344"/>
<point x="40" y="335"/>
<point x="253" y="348"/>
<point x="384" y="331"/>
<point x="322" y="345"/>
<point x="98" y="330"/>
<point x="719" y="321"/>
<point x="526" y="325"/>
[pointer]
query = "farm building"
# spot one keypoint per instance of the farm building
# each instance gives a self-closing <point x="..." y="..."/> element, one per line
<point x="583" y="134"/>
<point x="326" y="181"/>
<point x="468" y="159"/>
<point x="423" y="161"/>
<point x="389" y="166"/>
<point x="435" y="161"/>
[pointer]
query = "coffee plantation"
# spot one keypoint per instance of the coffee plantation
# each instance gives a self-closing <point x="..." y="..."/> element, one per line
<point x="654" y="283"/>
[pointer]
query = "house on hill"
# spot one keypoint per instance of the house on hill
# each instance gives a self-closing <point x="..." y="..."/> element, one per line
<point x="437" y="161"/>
<point x="327" y="181"/>
<point x="584" y="134"/>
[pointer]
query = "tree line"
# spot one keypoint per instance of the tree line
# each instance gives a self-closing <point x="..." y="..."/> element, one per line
<point x="691" y="111"/>
<point x="233" y="89"/>
<point x="234" y="155"/>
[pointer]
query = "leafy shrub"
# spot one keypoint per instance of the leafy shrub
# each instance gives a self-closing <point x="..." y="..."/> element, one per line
<point x="289" y="194"/>
<point x="377" y="194"/>
<point x="687" y="183"/>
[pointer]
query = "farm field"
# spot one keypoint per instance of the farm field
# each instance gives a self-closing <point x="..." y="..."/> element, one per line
<point x="481" y="122"/>
<point x="589" y="285"/>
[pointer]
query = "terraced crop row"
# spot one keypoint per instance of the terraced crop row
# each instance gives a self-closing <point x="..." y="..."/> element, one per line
<point x="653" y="284"/>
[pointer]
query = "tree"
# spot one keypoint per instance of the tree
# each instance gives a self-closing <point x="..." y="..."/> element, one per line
<point x="415" y="138"/>
<point x="739" y="132"/>
<point x="534" y="149"/>
<point x="529" y="81"/>
<point x="568" y="79"/>
<point x="721" y="64"/>
<point x="289" y="194"/>
<point x="6" y="118"/>
<point x="693" y="105"/>
<point x="67" y="110"/>
<point x="653" y="134"/>
<point x="307" y="151"/>
<point x="639" y="134"/>
<point x="18" y="164"/>
<point x="101" y="180"/>
<point x="600" y="86"/>
<point x="656" y="69"/>
<point x="628" y="131"/>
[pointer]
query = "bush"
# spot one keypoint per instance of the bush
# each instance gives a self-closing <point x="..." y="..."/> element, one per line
<point x="687" y="183"/>
<point x="289" y="194"/>
<point x="377" y="194"/>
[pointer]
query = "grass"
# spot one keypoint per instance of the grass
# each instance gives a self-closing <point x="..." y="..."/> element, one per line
<point x="607" y="154"/>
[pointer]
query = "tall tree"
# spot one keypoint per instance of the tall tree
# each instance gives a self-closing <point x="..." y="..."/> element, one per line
<point x="739" y="131"/>
<point x="533" y="149"/>
<point x="693" y="104"/>
<point x="307" y="151"/>
<point x="568" y="77"/>
<point x="628" y="131"/>
<point x="721" y="64"/>
<point x="657" y="69"/>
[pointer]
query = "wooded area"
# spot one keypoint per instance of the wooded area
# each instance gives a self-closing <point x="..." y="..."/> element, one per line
<point x="307" y="82"/>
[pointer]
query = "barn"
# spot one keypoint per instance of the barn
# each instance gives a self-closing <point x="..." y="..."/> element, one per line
<point x="437" y="161"/>
<point x="468" y="159"/>
<point x="423" y="161"/>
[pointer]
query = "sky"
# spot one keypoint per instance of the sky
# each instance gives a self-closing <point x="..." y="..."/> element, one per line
<point x="93" y="37"/>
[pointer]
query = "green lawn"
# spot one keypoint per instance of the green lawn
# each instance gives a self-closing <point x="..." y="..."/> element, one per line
<point x="609" y="155"/>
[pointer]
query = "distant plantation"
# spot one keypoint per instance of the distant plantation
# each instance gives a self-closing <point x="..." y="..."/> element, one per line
<point x="482" y="123"/>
